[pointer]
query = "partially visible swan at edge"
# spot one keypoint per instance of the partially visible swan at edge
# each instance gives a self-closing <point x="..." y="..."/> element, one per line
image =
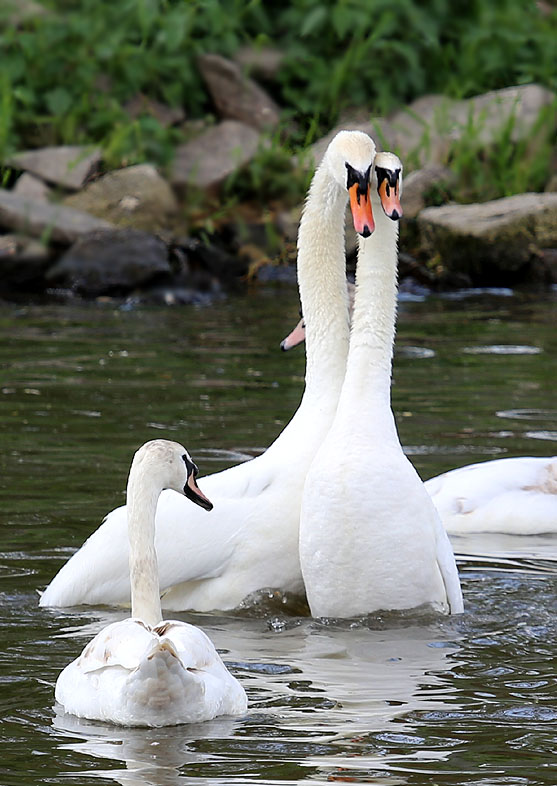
<point x="516" y="496"/>
<point x="370" y="537"/>
<point x="252" y="540"/>
<point x="146" y="671"/>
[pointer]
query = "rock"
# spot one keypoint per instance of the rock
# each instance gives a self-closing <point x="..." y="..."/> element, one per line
<point x="133" y="197"/>
<point x="31" y="187"/>
<point x="426" y="129"/>
<point x="23" y="261"/>
<point x="68" y="166"/>
<point x="19" y="11"/>
<point x="492" y="240"/>
<point x="108" y="261"/>
<point x="417" y="183"/>
<point x="263" y="62"/>
<point x="209" y="158"/>
<point x="236" y="96"/>
<point x="42" y="219"/>
<point x="143" y="105"/>
<point x="312" y="157"/>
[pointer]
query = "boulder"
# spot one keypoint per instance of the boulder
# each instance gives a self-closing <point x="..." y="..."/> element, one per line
<point x="263" y="62"/>
<point x="23" y="261"/>
<point x="31" y="187"/>
<point x="42" y="219"/>
<point x="426" y="129"/>
<point x="493" y="242"/>
<point x="417" y="183"/>
<point x="68" y="166"/>
<point x="423" y="132"/>
<point x="17" y="12"/>
<point x="235" y="95"/>
<point x="133" y="197"/>
<point x="117" y="260"/>
<point x="143" y="105"/>
<point x="213" y="155"/>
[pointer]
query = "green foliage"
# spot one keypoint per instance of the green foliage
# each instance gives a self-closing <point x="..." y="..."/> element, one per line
<point x="67" y="75"/>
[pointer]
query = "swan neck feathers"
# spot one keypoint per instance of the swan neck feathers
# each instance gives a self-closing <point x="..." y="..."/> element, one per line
<point x="144" y="488"/>
<point x="322" y="282"/>
<point x="373" y="326"/>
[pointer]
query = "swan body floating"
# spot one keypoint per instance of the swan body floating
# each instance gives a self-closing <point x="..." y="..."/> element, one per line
<point x="252" y="542"/>
<point x="144" y="671"/>
<point x="516" y="496"/>
<point x="370" y="537"/>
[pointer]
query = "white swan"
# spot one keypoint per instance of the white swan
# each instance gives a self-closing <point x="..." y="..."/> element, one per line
<point x="298" y="334"/>
<point x="370" y="537"/>
<point x="516" y="496"/>
<point x="252" y="540"/>
<point x="145" y="671"/>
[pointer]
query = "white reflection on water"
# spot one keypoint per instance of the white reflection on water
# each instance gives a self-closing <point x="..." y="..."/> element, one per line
<point x="315" y="687"/>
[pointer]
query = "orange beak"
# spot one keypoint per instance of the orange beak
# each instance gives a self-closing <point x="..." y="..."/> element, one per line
<point x="390" y="200"/>
<point x="362" y="215"/>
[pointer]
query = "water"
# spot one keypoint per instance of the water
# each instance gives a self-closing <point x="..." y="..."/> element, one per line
<point x="405" y="699"/>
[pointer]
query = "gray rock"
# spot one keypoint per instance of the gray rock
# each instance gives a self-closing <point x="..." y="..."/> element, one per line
<point x="426" y="129"/>
<point x="41" y="219"/>
<point x="108" y="261"/>
<point x="503" y="235"/>
<point x="68" y="166"/>
<point x="264" y="62"/>
<point x="418" y="182"/>
<point x="423" y="132"/>
<point x="143" y="105"/>
<point x="19" y="11"/>
<point x="236" y="96"/>
<point x="31" y="187"/>
<point x="209" y="158"/>
<point x="23" y="261"/>
<point x="133" y="197"/>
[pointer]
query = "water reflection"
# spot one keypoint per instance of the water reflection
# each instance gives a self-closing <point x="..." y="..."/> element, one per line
<point x="316" y="694"/>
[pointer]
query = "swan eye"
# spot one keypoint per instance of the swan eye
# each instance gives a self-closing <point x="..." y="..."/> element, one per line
<point x="353" y="176"/>
<point x="190" y="466"/>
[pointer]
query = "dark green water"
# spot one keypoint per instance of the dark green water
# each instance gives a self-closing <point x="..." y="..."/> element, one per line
<point x="407" y="700"/>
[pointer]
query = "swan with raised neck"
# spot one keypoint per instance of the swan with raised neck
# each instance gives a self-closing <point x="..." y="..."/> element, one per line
<point x="252" y="542"/>
<point x="370" y="537"/>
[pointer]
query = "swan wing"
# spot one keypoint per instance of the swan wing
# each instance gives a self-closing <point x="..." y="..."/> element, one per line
<point x="448" y="568"/>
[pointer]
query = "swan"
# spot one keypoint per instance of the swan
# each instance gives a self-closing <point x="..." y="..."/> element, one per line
<point x="516" y="496"/>
<point x="370" y="537"/>
<point x="145" y="671"/>
<point x="252" y="542"/>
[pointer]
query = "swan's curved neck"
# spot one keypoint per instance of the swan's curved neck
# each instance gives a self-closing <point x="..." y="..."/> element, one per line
<point x="142" y="498"/>
<point x="369" y="365"/>
<point x="322" y="284"/>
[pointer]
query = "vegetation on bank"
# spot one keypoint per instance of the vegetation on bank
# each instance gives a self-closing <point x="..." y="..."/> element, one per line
<point x="66" y="75"/>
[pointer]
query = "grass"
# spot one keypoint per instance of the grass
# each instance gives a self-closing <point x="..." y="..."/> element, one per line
<point x="66" y="76"/>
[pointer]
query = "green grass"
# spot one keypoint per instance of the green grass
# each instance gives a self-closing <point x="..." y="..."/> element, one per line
<point x="66" y="76"/>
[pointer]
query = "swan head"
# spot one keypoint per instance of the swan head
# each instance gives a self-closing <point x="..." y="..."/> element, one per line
<point x="387" y="178"/>
<point x="349" y="159"/>
<point x="170" y="465"/>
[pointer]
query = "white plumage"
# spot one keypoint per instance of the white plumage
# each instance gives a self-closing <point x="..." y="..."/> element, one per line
<point x="516" y="496"/>
<point x="370" y="537"/>
<point x="252" y="540"/>
<point x="144" y="671"/>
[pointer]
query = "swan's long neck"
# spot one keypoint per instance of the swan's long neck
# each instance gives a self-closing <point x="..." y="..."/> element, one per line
<point x="142" y="498"/>
<point x="369" y="365"/>
<point x="322" y="284"/>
